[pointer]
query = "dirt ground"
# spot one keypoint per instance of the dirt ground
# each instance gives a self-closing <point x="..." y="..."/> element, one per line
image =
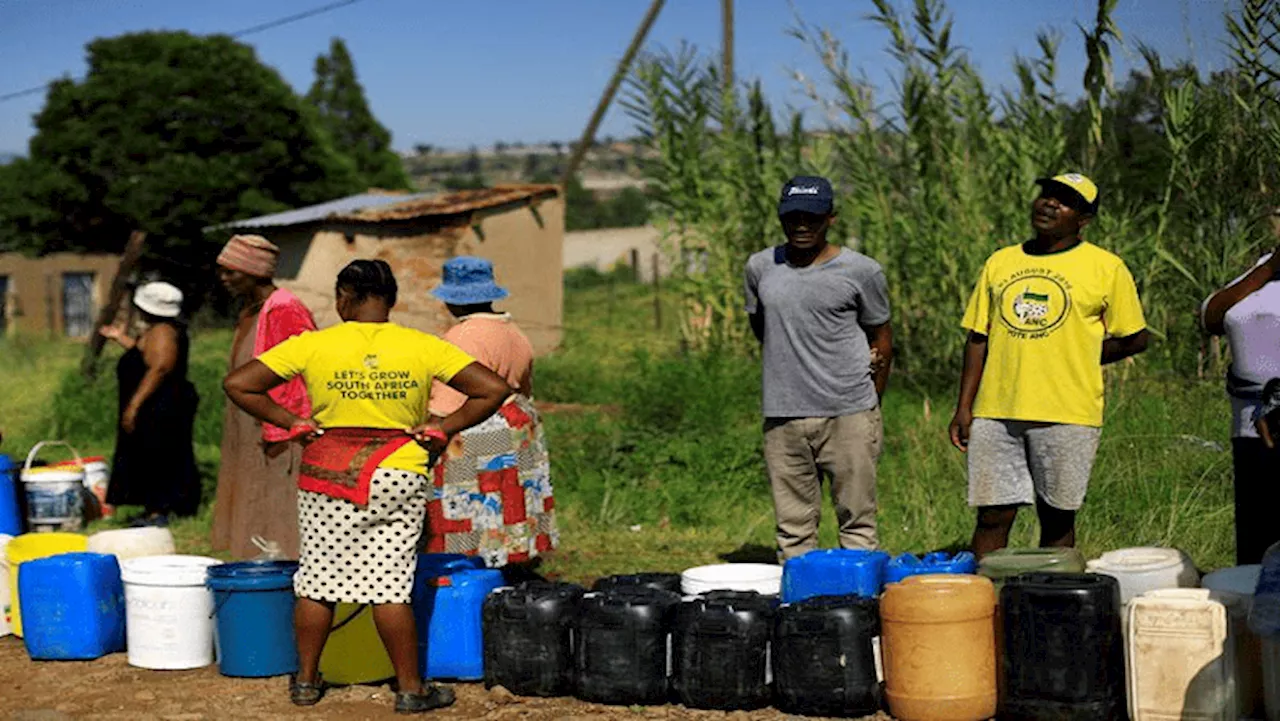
<point x="109" y="688"/>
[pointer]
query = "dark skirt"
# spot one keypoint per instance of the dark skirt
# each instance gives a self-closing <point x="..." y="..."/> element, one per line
<point x="1257" y="472"/>
<point x="155" y="466"/>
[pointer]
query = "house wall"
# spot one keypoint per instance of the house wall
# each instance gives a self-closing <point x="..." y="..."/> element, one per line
<point x="525" y="248"/>
<point x="33" y="302"/>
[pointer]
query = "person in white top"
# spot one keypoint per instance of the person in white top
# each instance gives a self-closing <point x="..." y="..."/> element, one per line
<point x="1247" y="312"/>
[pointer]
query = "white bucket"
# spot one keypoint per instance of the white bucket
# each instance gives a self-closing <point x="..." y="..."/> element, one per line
<point x="1145" y="569"/>
<point x="762" y="578"/>
<point x="6" y="627"/>
<point x="168" y="611"/>
<point x="55" y="499"/>
<point x="126" y="543"/>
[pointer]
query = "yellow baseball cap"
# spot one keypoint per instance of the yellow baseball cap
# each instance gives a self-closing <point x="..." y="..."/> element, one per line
<point x="1078" y="183"/>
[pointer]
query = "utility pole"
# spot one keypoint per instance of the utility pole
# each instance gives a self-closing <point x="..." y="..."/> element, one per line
<point x="624" y="65"/>
<point x="119" y="286"/>
<point x="726" y="20"/>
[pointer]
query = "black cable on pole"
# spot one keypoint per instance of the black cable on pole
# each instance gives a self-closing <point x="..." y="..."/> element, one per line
<point x="237" y="34"/>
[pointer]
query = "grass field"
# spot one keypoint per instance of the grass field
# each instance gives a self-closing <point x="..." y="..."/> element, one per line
<point x="657" y="463"/>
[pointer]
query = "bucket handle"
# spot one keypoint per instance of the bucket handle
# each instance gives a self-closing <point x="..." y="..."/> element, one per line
<point x="36" y="449"/>
<point x="225" y="597"/>
<point x="354" y="614"/>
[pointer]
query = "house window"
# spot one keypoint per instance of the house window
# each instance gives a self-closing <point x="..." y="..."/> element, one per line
<point x="4" y="303"/>
<point x="77" y="304"/>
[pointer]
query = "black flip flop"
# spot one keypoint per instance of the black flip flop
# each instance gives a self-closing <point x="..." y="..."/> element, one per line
<point x="306" y="694"/>
<point x="430" y="698"/>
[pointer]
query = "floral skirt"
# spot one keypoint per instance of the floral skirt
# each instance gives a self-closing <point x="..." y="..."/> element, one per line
<point x="491" y="492"/>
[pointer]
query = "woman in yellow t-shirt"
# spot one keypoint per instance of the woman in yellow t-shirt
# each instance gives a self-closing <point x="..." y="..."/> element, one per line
<point x="363" y="483"/>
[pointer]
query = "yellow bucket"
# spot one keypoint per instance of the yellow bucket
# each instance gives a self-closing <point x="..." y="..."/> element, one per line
<point x="354" y="652"/>
<point x="29" y="547"/>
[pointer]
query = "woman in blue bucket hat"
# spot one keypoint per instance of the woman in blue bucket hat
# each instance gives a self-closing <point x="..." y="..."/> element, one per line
<point x="491" y="492"/>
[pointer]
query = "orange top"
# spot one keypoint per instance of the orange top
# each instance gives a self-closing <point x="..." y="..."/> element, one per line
<point x="496" y="342"/>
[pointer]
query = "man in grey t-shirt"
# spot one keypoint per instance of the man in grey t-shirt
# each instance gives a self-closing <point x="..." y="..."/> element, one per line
<point x="820" y="311"/>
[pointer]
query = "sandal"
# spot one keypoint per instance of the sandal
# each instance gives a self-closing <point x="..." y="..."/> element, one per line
<point x="306" y="694"/>
<point x="431" y="697"/>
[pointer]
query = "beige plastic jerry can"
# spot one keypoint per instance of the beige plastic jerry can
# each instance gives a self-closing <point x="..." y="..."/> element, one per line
<point x="1182" y="656"/>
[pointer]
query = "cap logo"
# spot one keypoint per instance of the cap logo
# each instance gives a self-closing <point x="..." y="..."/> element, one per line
<point x="1074" y="177"/>
<point x="803" y="190"/>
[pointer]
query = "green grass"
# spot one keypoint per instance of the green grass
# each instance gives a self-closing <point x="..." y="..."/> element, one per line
<point x="658" y="467"/>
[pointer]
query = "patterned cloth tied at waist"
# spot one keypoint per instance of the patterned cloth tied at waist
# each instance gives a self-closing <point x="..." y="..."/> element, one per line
<point x="342" y="461"/>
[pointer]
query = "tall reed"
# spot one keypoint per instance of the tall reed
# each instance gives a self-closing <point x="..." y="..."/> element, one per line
<point x="935" y="174"/>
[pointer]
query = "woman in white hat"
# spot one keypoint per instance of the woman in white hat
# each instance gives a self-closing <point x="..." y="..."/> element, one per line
<point x="154" y="464"/>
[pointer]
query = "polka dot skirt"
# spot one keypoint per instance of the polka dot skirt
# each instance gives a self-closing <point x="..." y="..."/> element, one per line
<point x="362" y="555"/>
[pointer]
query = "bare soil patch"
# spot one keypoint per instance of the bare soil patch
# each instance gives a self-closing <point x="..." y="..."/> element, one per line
<point x="109" y="688"/>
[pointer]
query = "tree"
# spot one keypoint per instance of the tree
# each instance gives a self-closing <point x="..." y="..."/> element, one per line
<point x="339" y="98"/>
<point x="168" y="133"/>
<point x="472" y="164"/>
<point x="531" y="165"/>
<point x="500" y="147"/>
<point x="629" y="208"/>
<point x="582" y="210"/>
<point x="474" y="181"/>
<point x="423" y="149"/>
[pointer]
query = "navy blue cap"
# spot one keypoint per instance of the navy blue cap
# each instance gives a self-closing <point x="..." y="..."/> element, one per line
<point x="807" y="193"/>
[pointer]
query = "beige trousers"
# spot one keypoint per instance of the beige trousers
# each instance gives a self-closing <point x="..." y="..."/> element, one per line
<point x="798" y="453"/>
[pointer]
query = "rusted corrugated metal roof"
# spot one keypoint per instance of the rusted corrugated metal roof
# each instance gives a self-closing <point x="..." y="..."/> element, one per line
<point x="375" y="207"/>
<point x="462" y="201"/>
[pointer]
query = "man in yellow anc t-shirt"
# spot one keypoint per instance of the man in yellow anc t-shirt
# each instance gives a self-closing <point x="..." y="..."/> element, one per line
<point x="1044" y="318"/>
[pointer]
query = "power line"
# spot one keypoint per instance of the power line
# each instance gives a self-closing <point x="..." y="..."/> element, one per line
<point x="237" y="34"/>
<point x="293" y="18"/>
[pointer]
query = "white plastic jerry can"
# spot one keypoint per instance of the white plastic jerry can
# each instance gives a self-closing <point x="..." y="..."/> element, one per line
<point x="1181" y="656"/>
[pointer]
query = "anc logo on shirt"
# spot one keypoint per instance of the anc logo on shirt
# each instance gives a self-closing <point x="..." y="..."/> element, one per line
<point x="371" y="361"/>
<point x="1034" y="303"/>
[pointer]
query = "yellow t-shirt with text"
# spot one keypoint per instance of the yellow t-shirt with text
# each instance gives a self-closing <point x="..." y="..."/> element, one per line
<point x="1045" y="317"/>
<point x="369" y="375"/>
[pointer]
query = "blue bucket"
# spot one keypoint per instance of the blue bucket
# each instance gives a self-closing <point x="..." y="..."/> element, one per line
<point x="908" y="564"/>
<point x="253" y="606"/>
<point x="10" y="517"/>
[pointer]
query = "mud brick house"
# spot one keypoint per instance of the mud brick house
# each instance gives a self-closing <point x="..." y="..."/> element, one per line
<point x="58" y="294"/>
<point x="520" y="228"/>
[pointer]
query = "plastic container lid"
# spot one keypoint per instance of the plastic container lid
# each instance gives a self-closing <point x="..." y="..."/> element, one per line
<point x="252" y="575"/>
<point x="1138" y="560"/>
<point x="38" y="545"/>
<point x="434" y="565"/>
<point x="1012" y="561"/>
<point x="84" y="462"/>
<point x="938" y="598"/>
<point x="53" y="474"/>
<point x="175" y="570"/>
<point x="1237" y="579"/>
<point x="633" y="596"/>
<point x="760" y="577"/>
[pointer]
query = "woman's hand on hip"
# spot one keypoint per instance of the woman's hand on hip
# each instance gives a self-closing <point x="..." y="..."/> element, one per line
<point x="304" y="430"/>
<point x="430" y="436"/>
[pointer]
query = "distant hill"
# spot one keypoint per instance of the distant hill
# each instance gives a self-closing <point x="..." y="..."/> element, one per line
<point x="606" y="170"/>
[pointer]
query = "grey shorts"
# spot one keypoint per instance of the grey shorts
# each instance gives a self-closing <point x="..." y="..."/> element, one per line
<point x="1012" y="462"/>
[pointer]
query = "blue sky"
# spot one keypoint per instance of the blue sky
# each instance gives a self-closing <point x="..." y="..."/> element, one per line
<point x="454" y="74"/>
